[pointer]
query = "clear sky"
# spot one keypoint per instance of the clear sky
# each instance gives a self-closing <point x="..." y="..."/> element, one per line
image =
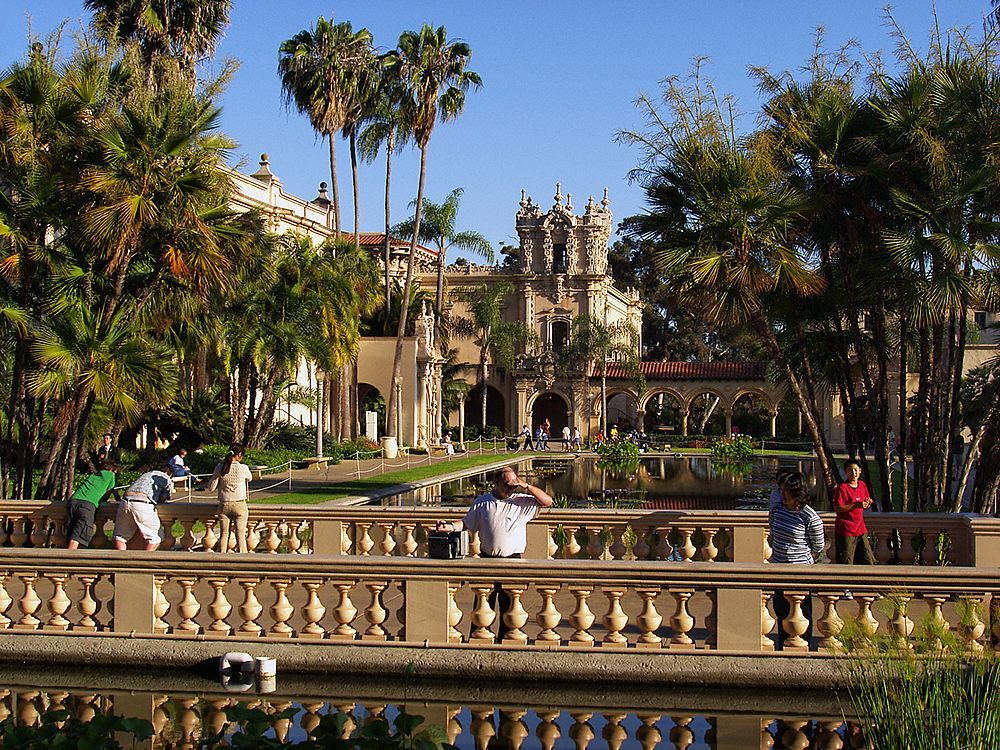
<point x="561" y="77"/>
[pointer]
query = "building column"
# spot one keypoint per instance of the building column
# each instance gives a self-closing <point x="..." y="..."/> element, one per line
<point x="684" y="423"/>
<point x="640" y="415"/>
<point x="461" y="422"/>
<point x="774" y="423"/>
<point x="729" y="421"/>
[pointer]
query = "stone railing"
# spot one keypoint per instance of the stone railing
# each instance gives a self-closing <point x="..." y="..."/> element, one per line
<point x="182" y="720"/>
<point x="631" y="606"/>
<point x="682" y="536"/>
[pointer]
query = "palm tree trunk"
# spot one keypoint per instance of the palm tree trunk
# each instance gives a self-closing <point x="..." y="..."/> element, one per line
<point x="397" y="360"/>
<point x="482" y="385"/>
<point x="357" y="191"/>
<point x="904" y="474"/>
<point x="389" y="146"/>
<point x="333" y="185"/>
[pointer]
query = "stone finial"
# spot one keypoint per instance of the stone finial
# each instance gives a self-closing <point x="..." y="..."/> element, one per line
<point x="605" y="202"/>
<point x="558" y="195"/>
<point x="590" y="204"/>
<point x="569" y="201"/>
<point x="264" y="174"/>
<point x="322" y="199"/>
<point x="524" y="195"/>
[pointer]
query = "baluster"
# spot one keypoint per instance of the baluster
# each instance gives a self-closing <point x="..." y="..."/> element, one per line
<point x="681" y="734"/>
<point x="211" y="538"/>
<point x="28" y="714"/>
<point x="4" y="536"/>
<point x="375" y="613"/>
<point x="310" y="716"/>
<point x="482" y="728"/>
<point x="475" y="548"/>
<point x="187" y="539"/>
<point x="220" y="607"/>
<point x="513" y="728"/>
<point x="664" y="549"/>
<point x="188" y="721"/>
<point x="87" y="606"/>
<point x="5" y="601"/>
<point x="454" y="614"/>
<point x="572" y="547"/>
<point x="866" y="620"/>
<point x="686" y="548"/>
<point x="648" y="735"/>
<point x="547" y="731"/>
<point x="28" y="603"/>
<point x="100" y="540"/>
<point x="827" y="736"/>
<point x="516" y="617"/>
<point x="409" y="543"/>
<point x="169" y="540"/>
<point x="829" y="624"/>
<point x="282" y="609"/>
<point x="884" y="552"/>
<point x="681" y="622"/>
<point x="767" y="622"/>
<point x="345" y="612"/>
<point x="581" y="732"/>
<point x="614" y="733"/>
<point x="364" y="541"/>
<point x="970" y="628"/>
<point x="253" y="536"/>
<point x="595" y="548"/>
<point x="795" y="625"/>
<point x="346" y="545"/>
<point x="313" y="611"/>
<point x="388" y="543"/>
<point x="453" y="727"/>
<point x="59" y="603"/>
<point x="295" y="544"/>
<point x="641" y="548"/>
<point x="271" y="539"/>
<point x="551" y="548"/>
<point x="39" y="531"/>
<point x="189" y="608"/>
<point x="649" y="620"/>
<point x="936" y="622"/>
<point x="215" y="715"/>
<point x="401" y="612"/>
<point x="901" y="625"/>
<point x="19" y="534"/>
<point x="57" y="540"/>
<point x="582" y="618"/>
<point x="906" y="554"/>
<point x="548" y="617"/>
<point x="4" y="704"/>
<point x="615" y="620"/>
<point x="482" y="615"/>
<point x="281" y="726"/>
<point x="712" y="619"/>
<point x="617" y="548"/>
<point x="160" y="605"/>
<point x="767" y="547"/>
<point x="709" y="552"/>
<point x="250" y="609"/>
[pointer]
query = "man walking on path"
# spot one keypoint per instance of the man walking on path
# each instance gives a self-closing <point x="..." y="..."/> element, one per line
<point x="501" y="517"/>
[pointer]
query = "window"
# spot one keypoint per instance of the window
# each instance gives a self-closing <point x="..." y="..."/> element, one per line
<point x="560" y="261"/>
<point x="982" y="319"/>
<point x="558" y="335"/>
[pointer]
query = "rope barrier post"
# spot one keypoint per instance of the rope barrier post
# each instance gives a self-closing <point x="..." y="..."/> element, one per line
<point x="289" y="476"/>
<point x="357" y="458"/>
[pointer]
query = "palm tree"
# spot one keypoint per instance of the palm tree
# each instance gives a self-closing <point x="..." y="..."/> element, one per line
<point x="437" y="227"/>
<point x="386" y="123"/>
<point x="483" y="323"/>
<point x="432" y="71"/>
<point x="591" y="340"/>
<point x="322" y="72"/>
<point x="184" y="30"/>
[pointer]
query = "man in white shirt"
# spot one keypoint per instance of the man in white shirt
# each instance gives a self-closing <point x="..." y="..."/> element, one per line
<point x="501" y="517"/>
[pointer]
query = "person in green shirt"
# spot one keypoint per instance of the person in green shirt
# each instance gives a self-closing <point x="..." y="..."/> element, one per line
<point x="81" y="508"/>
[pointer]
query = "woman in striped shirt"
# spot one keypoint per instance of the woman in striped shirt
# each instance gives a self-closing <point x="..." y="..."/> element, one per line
<point x="796" y="537"/>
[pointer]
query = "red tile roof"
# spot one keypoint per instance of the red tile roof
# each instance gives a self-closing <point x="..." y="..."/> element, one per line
<point x="691" y="371"/>
<point x="377" y="240"/>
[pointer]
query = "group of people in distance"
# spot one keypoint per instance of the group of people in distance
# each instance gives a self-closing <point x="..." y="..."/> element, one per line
<point x="571" y="438"/>
<point x="797" y="531"/>
<point x="136" y="515"/>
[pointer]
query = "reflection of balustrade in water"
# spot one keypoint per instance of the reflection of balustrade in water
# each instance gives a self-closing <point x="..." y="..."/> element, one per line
<point x="183" y="720"/>
<point x="630" y="606"/>
<point x="623" y="534"/>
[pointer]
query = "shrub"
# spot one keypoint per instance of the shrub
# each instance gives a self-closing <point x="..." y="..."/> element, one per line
<point x="294" y="437"/>
<point x="733" y="450"/>
<point x="618" y="452"/>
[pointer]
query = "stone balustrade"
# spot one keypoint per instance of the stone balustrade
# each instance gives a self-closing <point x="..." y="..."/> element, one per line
<point x="635" y="534"/>
<point x="632" y="606"/>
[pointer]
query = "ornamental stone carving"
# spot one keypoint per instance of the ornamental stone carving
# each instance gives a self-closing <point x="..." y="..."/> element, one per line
<point x="547" y="250"/>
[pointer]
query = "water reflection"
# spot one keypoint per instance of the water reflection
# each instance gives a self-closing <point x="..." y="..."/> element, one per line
<point x="658" y="482"/>
<point x="474" y="715"/>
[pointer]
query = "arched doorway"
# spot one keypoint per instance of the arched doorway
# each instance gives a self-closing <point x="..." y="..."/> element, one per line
<point x="664" y="415"/>
<point x="752" y="415"/>
<point x="706" y="414"/>
<point x="495" y="410"/>
<point x="622" y="412"/>
<point x="370" y="401"/>
<point x="553" y="407"/>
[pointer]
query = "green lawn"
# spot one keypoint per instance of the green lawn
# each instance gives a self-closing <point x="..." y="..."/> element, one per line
<point x="369" y="484"/>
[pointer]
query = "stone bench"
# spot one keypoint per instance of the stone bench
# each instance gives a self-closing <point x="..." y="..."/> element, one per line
<point x="257" y="472"/>
<point x="315" y="462"/>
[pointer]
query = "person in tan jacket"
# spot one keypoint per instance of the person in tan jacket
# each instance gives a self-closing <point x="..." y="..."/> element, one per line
<point x="231" y="479"/>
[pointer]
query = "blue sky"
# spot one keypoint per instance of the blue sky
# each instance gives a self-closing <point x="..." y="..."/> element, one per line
<point x="561" y="78"/>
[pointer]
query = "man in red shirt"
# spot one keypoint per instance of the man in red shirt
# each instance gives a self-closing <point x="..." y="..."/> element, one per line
<point x="850" y="532"/>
